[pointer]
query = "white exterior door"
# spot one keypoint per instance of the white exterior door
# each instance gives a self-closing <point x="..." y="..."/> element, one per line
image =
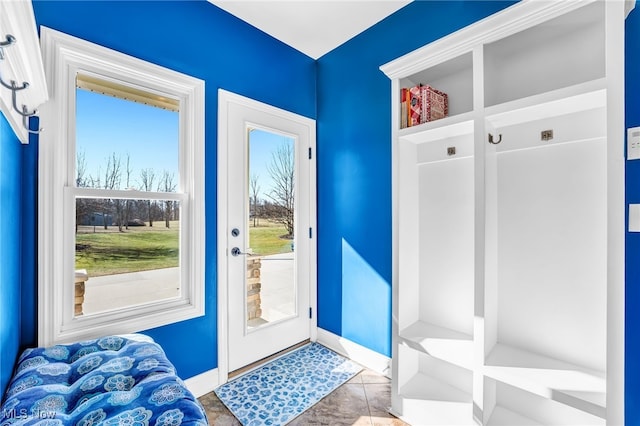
<point x="266" y="241"/>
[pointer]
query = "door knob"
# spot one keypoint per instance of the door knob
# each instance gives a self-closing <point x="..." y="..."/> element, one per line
<point x="236" y="252"/>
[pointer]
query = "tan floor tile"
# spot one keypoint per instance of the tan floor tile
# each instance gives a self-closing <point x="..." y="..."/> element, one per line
<point x="370" y="376"/>
<point x="387" y="421"/>
<point x="357" y="379"/>
<point x="347" y="405"/>
<point x="378" y="398"/>
<point x="217" y="413"/>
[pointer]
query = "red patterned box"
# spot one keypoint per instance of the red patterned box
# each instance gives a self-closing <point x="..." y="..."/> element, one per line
<point x="415" y="106"/>
<point x="435" y="104"/>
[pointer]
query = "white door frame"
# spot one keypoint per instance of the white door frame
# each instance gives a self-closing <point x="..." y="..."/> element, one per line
<point x="225" y="99"/>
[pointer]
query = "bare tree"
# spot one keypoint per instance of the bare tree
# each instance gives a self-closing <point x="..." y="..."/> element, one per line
<point x="166" y="184"/>
<point x="147" y="176"/>
<point x="113" y="172"/>
<point x="254" y="191"/>
<point x="82" y="181"/>
<point x="127" y="203"/>
<point x="81" y="170"/>
<point x="281" y="169"/>
<point x="112" y="180"/>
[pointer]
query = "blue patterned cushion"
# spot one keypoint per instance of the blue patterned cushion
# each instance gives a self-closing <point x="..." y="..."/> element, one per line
<point x="109" y="381"/>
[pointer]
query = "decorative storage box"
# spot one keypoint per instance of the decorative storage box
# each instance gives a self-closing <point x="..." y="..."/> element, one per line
<point x="422" y="103"/>
<point x="415" y="106"/>
<point x="435" y="104"/>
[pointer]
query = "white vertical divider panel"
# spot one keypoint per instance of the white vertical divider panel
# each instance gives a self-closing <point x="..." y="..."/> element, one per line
<point x="396" y="399"/>
<point x="479" y="319"/>
<point x="616" y="13"/>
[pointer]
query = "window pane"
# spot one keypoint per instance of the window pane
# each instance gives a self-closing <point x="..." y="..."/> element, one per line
<point x="125" y="138"/>
<point x="129" y="251"/>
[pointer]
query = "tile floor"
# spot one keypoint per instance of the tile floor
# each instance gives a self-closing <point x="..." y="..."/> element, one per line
<point x="363" y="400"/>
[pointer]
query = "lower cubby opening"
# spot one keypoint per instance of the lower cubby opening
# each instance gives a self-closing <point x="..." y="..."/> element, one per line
<point x="545" y="290"/>
<point x="445" y="235"/>
<point x="433" y="392"/>
<point x="546" y="238"/>
<point x="506" y="405"/>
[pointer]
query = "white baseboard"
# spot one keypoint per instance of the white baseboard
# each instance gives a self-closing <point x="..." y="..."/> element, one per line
<point x="358" y="353"/>
<point x="203" y="383"/>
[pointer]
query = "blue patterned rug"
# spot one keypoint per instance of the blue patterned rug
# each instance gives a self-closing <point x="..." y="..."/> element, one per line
<point x="282" y="389"/>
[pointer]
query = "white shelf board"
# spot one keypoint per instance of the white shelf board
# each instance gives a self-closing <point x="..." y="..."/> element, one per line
<point x="448" y="127"/>
<point x="573" y="385"/>
<point x="424" y="387"/>
<point x="580" y="97"/>
<point x="439" y="342"/>
<point x="427" y="401"/>
<point x="504" y="417"/>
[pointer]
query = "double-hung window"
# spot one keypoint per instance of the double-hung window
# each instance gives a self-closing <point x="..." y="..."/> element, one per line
<point x="121" y="197"/>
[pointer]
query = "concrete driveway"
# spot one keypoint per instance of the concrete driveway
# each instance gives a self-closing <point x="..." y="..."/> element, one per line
<point x="277" y="293"/>
<point x="120" y="290"/>
<point x="117" y="291"/>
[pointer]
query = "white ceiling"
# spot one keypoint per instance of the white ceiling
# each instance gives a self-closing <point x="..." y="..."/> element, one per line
<point x="314" y="27"/>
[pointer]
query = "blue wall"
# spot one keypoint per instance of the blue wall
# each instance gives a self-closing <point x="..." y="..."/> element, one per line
<point x="632" y="286"/>
<point x="10" y="250"/>
<point x="354" y="166"/>
<point x="354" y="130"/>
<point x="201" y="40"/>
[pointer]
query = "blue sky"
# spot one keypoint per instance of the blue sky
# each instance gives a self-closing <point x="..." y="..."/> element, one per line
<point x="262" y="144"/>
<point x="149" y="135"/>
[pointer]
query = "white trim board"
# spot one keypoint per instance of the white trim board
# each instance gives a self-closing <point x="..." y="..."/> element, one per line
<point x="203" y="383"/>
<point x="355" y="352"/>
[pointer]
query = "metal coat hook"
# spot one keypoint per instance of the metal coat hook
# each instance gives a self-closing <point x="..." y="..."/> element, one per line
<point x="25" y="120"/>
<point x="495" y="142"/>
<point x="10" y="40"/>
<point x="13" y="86"/>
<point x="23" y="112"/>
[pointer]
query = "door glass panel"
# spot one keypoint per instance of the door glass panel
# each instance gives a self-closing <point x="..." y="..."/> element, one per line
<point x="271" y="282"/>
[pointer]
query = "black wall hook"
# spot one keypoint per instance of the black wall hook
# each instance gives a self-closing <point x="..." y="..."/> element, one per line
<point x="10" y="40"/>
<point x="492" y="141"/>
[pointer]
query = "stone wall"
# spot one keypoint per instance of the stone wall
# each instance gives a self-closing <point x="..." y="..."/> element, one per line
<point x="81" y="278"/>
<point x="253" y="289"/>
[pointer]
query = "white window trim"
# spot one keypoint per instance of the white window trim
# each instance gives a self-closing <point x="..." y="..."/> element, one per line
<point x="64" y="56"/>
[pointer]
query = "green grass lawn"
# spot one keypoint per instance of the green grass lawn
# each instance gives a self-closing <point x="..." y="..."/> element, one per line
<point x="139" y="249"/>
<point x="266" y="238"/>
<point x="108" y="252"/>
